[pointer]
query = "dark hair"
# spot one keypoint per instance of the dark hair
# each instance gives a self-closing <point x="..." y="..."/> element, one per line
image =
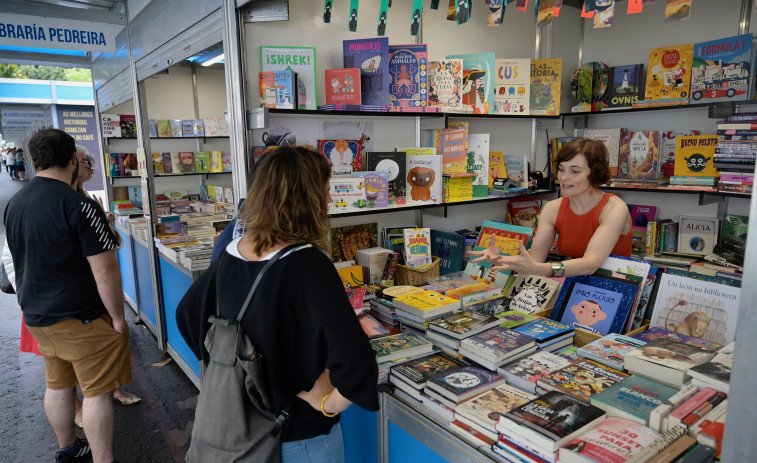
<point x="51" y="148"/>
<point x="596" y="156"/>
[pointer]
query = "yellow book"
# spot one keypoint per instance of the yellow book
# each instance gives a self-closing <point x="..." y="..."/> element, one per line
<point x="351" y="276"/>
<point x="418" y="151"/>
<point x="694" y="156"/>
<point x="216" y="164"/>
<point x="669" y="72"/>
<point x="496" y="166"/>
<point x="546" y="85"/>
<point x="426" y="304"/>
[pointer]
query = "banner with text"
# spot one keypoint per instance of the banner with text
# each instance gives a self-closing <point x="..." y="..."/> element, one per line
<point x="65" y="34"/>
<point x="80" y="123"/>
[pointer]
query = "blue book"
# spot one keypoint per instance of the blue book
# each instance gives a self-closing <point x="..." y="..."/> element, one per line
<point x="152" y="128"/>
<point x="371" y="56"/>
<point x="544" y="330"/>
<point x="633" y="399"/>
<point x="286" y="95"/>
<point x="478" y="67"/>
<point x="135" y="194"/>
<point x="591" y="309"/>
<point x="721" y="68"/>
<point x="408" y="76"/>
<point x="450" y="248"/>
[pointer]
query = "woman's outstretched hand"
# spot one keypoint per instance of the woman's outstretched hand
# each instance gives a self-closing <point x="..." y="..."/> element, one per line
<point x="521" y="263"/>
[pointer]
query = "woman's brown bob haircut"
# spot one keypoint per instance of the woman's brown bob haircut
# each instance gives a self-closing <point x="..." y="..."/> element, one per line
<point x="287" y="200"/>
<point x="596" y="157"/>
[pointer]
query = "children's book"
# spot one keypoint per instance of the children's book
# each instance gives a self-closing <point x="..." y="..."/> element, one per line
<point x="376" y="188"/>
<point x="408" y="75"/>
<point x="450" y="249"/>
<point x="506" y="238"/>
<point x="609" y="349"/>
<point x="344" y="156"/>
<point x="216" y="162"/>
<point x="212" y="126"/>
<point x="478" y="163"/>
<point x="509" y="318"/>
<point x="267" y="86"/>
<point x="226" y="161"/>
<point x="697" y="235"/>
<point x="546" y="85"/>
<point x="167" y="164"/>
<point x="478" y="82"/>
<point x="532" y="293"/>
<point x="668" y="142"/>
<point x="300" y="60"/>
<point x="497" y="168"/>
<point x="198" y="128"/>
<point x="157" y="163"/>
<point x="202" y="161"/>
<point x="496" y="344"/>
<point x="544" y="330"/>
<point x="583" y="379"/>
<point x="176" y="128"/>
<point x="601" y="443"/>
<point x="343" y="86"/>
<point x="669" y="72"/>
<point x="721" y="68"/>
<point x="152" y="128"/>
<point x="187" y="128"/>
<point x="111" y="125"/>
<point x="695" y="156"/>
<point x="452" y="149"/>
<point x="392" y="162"/>
<point x="417" y="247"/>
<point x="371" y="56"/>
<point x="424" y="179"/>
<point x="186" y="162"/>
<point x="445" y="84"/>
<point x="639" y="155"/>
<point x="128" y="126"/>
<point x="611" y="139"/>
<point x="625" y="85"/>
<point x="345" y="241"/>
<point x="347" y="194"/>
<point x="512" y="86"/>
<point x="286" y="89"/>
<point x="164" y="128"/>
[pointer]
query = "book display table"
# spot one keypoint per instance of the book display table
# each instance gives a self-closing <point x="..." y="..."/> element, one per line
<point x="128" y="273"/>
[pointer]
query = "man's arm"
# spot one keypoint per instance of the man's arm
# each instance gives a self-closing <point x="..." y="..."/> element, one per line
<point x="107" y="275"/>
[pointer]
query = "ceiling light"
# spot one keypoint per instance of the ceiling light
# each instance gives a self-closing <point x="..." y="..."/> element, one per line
<point x="213" y="60"/>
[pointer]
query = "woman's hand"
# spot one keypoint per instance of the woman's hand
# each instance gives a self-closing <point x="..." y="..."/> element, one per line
<point x="522" y="263"/>
<point x="321" y="387"/>
<point x="491" y="254"/>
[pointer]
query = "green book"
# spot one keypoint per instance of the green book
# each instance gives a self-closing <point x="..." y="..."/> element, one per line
<point x="513" y="318"/>
<point x="202" y="161"/>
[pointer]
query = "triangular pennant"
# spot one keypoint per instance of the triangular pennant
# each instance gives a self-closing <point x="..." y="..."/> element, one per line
<point x="415" y="17"/>
<point x="536" y="10"/>
<point x="546" y="12"/>
<point x="604" y="12"/>
<point x="521" y="5"/>
<point x="635" y="6"/>
<point x="327" y="11"/>
<point x="452" y="11"/>
<point x="354" y="7"/>
<point x="382" y="19"/>
<point x="434" y="4"/>
<point x="677" y="10"/>
<point x="588" y="10"/>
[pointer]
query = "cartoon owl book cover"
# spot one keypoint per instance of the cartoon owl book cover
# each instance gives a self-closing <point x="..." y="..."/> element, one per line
<point x="512" y="86"/>
<point x="371" y="56"/>
<point x="669" y="72"/>
<point x="342" y="86"/>
<point x="546" y="85"/>
<point x="408" y="75"/>
<point x="344" y="156"/>
<point x="478" y="81"/>
<point x="695" y="155"/>
<point x="639" y="155"/>
<point x="445" y="84"/>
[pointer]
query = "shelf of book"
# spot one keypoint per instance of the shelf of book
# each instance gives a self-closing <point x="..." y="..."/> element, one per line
<point x="191" y="173"/>
<point x="411" y="207"/>
<point x="662" y="189"/>
<point x="108" y="139"/>
<point x="319" y="112"/>
<point x="728" y="106"/>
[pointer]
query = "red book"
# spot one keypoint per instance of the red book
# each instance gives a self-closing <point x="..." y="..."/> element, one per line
<point x="343" y="86"/>
<point x="267" y="82"/>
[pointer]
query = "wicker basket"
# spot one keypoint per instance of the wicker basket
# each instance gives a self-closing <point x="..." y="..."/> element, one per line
<point x="409" y="276"/>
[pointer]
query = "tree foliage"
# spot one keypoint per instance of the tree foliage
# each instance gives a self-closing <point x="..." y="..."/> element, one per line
<point x="28" y="71"/>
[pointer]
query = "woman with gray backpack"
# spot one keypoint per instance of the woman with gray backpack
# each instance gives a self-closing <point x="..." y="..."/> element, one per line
<point x="283" y="350"/>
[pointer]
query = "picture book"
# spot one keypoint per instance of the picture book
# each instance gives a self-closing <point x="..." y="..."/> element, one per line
<point x="452" y="149"/>
<point x="506" y="238"/>
<point x="642" y="215"/>
<point x="697" y="235"/>
<point x="633" y="399"/>
<point x="625" y="85"/>
<point x="202" y="161"/>
<point x="544" y="330"/>
<point x="212" y="126"/>
<point x="551" y="419"/>
<point x="497" y="305"/>
<point x="157" y="163"/>
<point x="660" y="333"/>
<point x="418" y="371"/>
<point x="512" y="318"/>
<point x="187" y="128"/>
<point x="167" y="164"/>
<point x="700" y="309"/>
<point x="611" y="139"/>
<point x="496" y="344"/>
<point x="639" y="155"/>
<point x="267" y="86"/>
<point x="176" y="128"/>
<point x="546" y="85"/>
<point x="344" y="156"/>
<point x="721" y="68"/>
<point x="346" y="240"/>
<point x="128" y="126"/>
<point x="445" y="84"/>
<point x="524" y="373"/>
<point x="347" y="194"/>
<point x="613" y="440"/>
<point x="392" y="162"/>
<point x="583" y="379"/>
<point x="464" y="383"/>
<point x="408" y="75"/>
<point x="424" y="179"/>
<point x="164" y="128"/>
<point x="461" y="325"/>
<point x="426" y="304"/>
<point x="517" y="169"/>
<point x="417" y="247"/>
<point x="186" y="162"/>
<point x="512" y="86"/>
<point x="532" y="293"/>
<point x="152" y="128"/>
<point x="485" y="409"/>
<point x="371" y="56"/>
<point x="216" y="162"/>
<point x="497" y="168"/>
<point x="300" y="60"/>
<point x="592" y="309"/>
<point x="609" y="349"/>
<point x="478" y="163"/>
<point x="399" y="346"/>
<point x="450" y="249"/>
<point x="668" y="354"/>
<point x="376" y="188"/>
<point x="285" y="89"/>
<point x="668" y="142"/>
<point x="695" y="156"/>
<point x="669" y="72"/>
<point x="111" y="125"/>
<point x="478" y="82"/>
<point x="226" y="161"/>
<point x="342" y="86"/>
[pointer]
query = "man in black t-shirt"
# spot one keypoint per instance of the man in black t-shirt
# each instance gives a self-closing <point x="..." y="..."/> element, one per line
<point x="68" y="284"/>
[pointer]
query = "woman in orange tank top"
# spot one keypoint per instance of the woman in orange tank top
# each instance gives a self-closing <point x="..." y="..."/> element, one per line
<point x="590" y="224"/>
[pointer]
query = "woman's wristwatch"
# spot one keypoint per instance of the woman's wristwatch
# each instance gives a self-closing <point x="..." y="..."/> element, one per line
<point x="558" y="270"/>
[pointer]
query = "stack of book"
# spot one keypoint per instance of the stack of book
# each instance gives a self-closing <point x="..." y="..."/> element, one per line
<point x="400" y="346"/>
<point x="601" y="443"/>
<point x="716" y="373"/>
<point x="609" y="350"/>
<point x="446" y="332"/>
<point x="582" y="379"/>
<point x="450" y="389"/>
<point x="666" y="361"/>
<point x="482" y="412"/>
<point x="383" y="310"/>
<point x="548" y="334"/>
<point x="353" y="107"/>
<point x="416" y="310"/>
<point x="524" y="373"/>
<point x="410" y="377"/>
<point x="633" y="399"/>
<point x="496" y="346"/>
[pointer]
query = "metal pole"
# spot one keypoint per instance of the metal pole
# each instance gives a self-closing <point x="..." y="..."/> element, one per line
<point x="235" y="97"/>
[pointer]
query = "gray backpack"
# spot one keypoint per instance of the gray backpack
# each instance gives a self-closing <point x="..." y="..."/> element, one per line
<point x="234" y="421"/>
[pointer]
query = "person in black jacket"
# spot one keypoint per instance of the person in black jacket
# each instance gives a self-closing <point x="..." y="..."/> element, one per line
<point x="300" y="319"/>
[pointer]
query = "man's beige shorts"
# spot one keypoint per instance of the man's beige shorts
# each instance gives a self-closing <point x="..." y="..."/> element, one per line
<point x="92" y="355"/>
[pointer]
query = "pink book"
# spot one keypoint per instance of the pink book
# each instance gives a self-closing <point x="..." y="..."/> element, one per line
<point x="690" y="405"/>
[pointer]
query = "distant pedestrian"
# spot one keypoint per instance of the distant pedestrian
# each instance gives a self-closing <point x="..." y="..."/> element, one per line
<point x="12" y="163"/>
<point x="20" y="168"/>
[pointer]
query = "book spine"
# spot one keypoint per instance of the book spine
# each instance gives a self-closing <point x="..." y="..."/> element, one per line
<point x="708" y="418"/>
<point x="661" y="443"/>
<point x="751" y="117"/>
<point x="521" y="442"/>
<point x="746" y="132"/>
<point x="703" y="409"/>
<point x="689" y="406"/>
<point x="656" y="416"/>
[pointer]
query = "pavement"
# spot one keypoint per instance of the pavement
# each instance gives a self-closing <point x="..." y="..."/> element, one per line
<point x="154" y="430"/>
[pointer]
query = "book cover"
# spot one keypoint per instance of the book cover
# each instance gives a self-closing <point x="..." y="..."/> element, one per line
<point x="463" y="324"/>
<point x="506" y="238"/>
<point x="300" y="60"/>
<point x="696" y="308"/>
<point x="642" y="215"/>
<point x="543" y="330"/>
<point x="445" y="84"/>
<point x="164" y="128"/>
<point x="397" y="345"/>
<point x="633" y="399"/>
<point x="424" y="179"/>
<point x="285" y="82"/>
<point x="720" y="69"/>
<point x="371" y="56"/>
<point x="202" y="161"/>
<point x="376" y="188"/>
<point x="344" y="156"/>
<point x="639" y="155"/>
<point x="614" y="440"/>
<point x="111" y="125"/>
<point x="716" y="372"/>
<point x="485" y="409"/>
<point x="226" y="161"/>
<point x="592" y="309"/>
<point x="186" y="162"/>
<point x="346" y="194"/>
<point x="418" y="371"/>
<point x="417" y="247"/>
<point x="695" y="156"/>
<point x="530" y="368"/>
<point x="546" y="85"/>
<point x="392" y="162"/>
<point x="611" y="139"/>
<point x="671" y="354"/>
<point x="512" y="86"/>
<point x="668" y="143"/>
<point x="583" y="379"/>
<point x="497" y="168"/>
<point x="267" y="86"/>
<point x="697" y="235"/>
<point x="669" y="72"/>
<point x="346" y="240"/>
<point x="157" y="163"/>
<point x="625" y="85"/>
<point x="497" y="343"/>
<point x="517" y="169"/>
<point x="152" y="128"/>
<point x="128" y="126"/>
<point x="167" y="164"/>
<point x="532" y="293"/>
<point x="465" y="382"/>
<point x="512" y="318"/>
<point x="426" y="303"/>
<point x="198" y="128"/>
<point x="176" y="128"/>
<point x="343" y="86"/>
<point x="450" y="249"/>
<point x="212" y="126"/>
<point x="216" y="162"/>
<point x="408" y="75"/>
<point x="187" y="128"/>
<point x="478" y="163"/>
<point x="478" y="81"/>
<point x="452" y="149"/>
<point x="610" y="349"/>
<point x="660" y="333"/>
<point x="120" y="193"/>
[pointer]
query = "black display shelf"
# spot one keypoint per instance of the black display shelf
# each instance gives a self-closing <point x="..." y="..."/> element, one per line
<point x="723" y="105"/>
<point x="190" y="173"/>
<point x="665" y="190"/>
<point x="319" y="112"/>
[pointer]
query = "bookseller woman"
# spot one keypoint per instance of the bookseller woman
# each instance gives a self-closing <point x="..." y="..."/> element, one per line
<point x="589" y="224"/>
<point x="315" y="354"/>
